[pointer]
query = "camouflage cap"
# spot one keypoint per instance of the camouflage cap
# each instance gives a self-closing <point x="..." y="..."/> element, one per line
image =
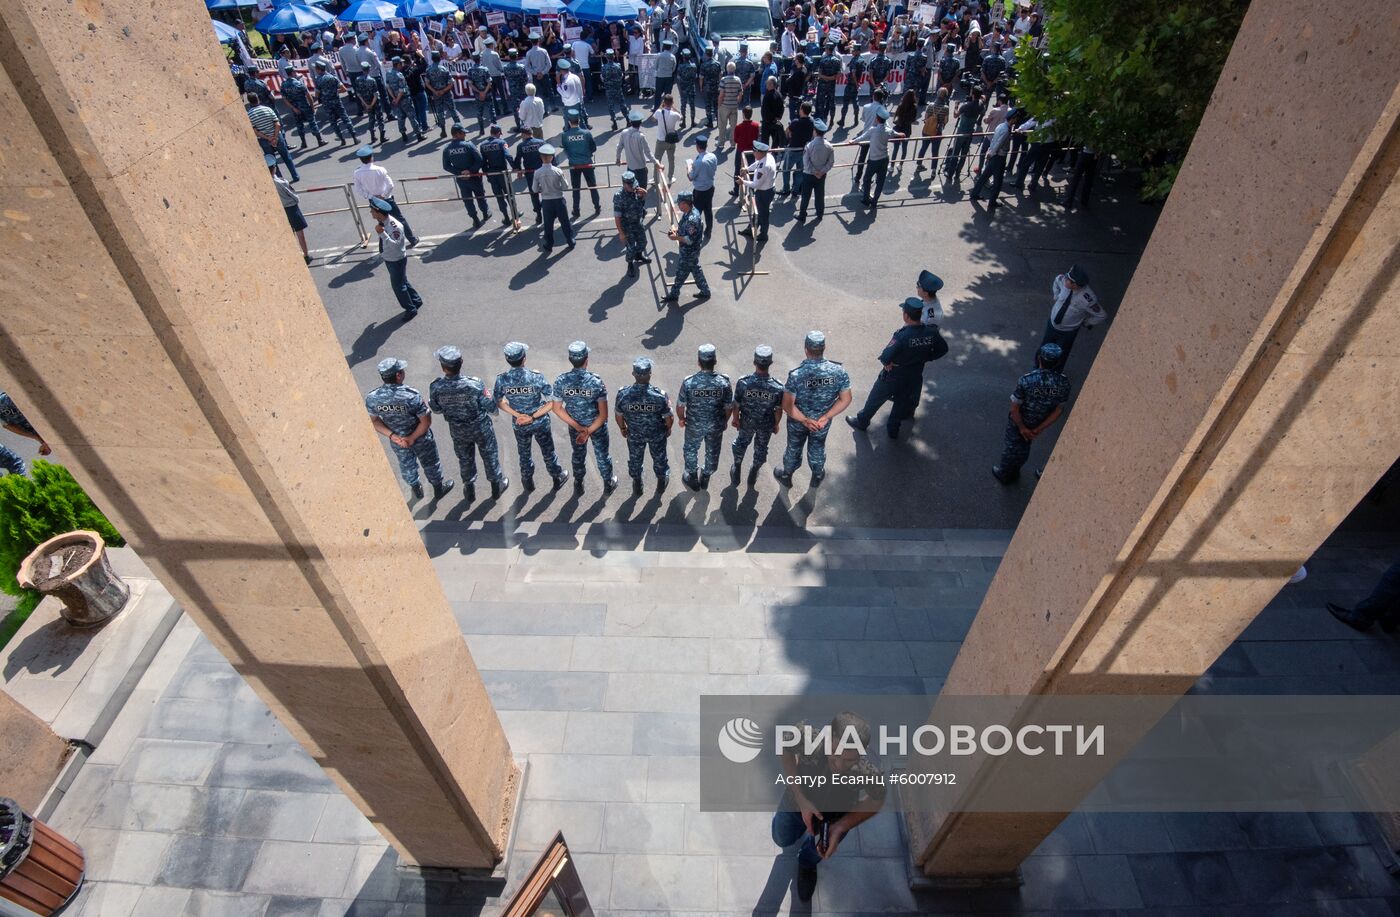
<point x="706" y="353"/>
<point x="685" y="197"/>
<point x="763" y="355"/>
<point x="515" y="350"/>
<point x="1050" y="355"/>
<point x="449" y="354"/>
<point x="389" y="367"/>
<point x="815" y="340"/>
<point x="578" y="350"/>
<point x="641" y="367"/>
<point x="629" y="177"/>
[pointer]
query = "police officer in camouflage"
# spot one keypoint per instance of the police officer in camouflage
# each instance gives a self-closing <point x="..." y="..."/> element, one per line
<point x="687" y="79"/>
<point x="401" y="101"/>
<point x="710" y="72"/>
<point x="400" y="413"/>
<point x="816" y="391"/>
<point x="328" y="89"/>
<point x="758" y="403"/>
<point x="438" y="80"/>
<point x="298" y="99"/>
<point x="1037" y="403"/>
<point x="703" y="406"/>
<point x="828" y="72"/>
<point x="367" y="94"/>
<point x="514" y="77"/>
<point x="528" y="398"/>
<point x="629" y="213"/>
<point x="644" y="418"/>
<point x="254" y="83"/>
<point x="690" y="233"/>
<point x="479" y="79"/>
<point x="466" y="404"/>
<point x="496" y="158"/>
<point x="614" y="86"/>
<point x="581" y="401"/>
<point x="901" y="378"/>
<point x="13" y="420"/>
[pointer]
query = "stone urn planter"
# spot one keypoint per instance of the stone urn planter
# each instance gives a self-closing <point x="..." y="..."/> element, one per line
<point x="74" y="567"/>
<point x="40" y="870"/>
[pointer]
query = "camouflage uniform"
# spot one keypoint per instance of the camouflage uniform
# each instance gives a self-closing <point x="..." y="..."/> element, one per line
<point x="399" y="407"/>
<point x="706" y="397"/>
<point x="691" y="229"/>
<point x="757" y="397"/>
<point x="11" y="415"/>
<point x="254" y="84"/>
<point x="367" y="93"/>
<point x="466" y="404"/>
<point x="580" y="389"/>
<point x="303" y="109"/>
<point x="711" y="71"/>
<point x="328" y="88"/>
<point x="396" y="82"/>
<point x="1038" y="393"/>
<point x="515" y="78"/>
<point x="632" y="210"/>
<point x="645" y="408"/>
<point x="444" y="107"/>
<point x="615" y="88"/>
<point x="828" y="65"/>
<point x="815" y="385"/>
<point x="527" y="391"/>
<point x="851" y="97"/>
<point x="880" y="68"/>
<point x="745" y="67"/>
<point x="686" y="74"/>
<point x="479" y="78"/>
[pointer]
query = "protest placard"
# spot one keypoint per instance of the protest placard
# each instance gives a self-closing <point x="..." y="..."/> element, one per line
<point x="396" y="23"/>
<point x="573" y="33"/>
<point x="494" y="18"/>
<point x="646" y="71"/>
<point x="435" y="28"/>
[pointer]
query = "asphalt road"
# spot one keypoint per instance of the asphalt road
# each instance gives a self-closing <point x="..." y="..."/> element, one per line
<point x="845" y="275"/>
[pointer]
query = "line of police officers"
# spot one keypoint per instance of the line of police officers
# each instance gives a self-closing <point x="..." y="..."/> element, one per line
<point x="815" y="392"/>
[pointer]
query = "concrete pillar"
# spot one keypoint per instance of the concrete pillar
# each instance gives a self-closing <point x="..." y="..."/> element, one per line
<point x="1243" y="402"/>
<point x="160" y="328"/>
<point x="31" y="754"/>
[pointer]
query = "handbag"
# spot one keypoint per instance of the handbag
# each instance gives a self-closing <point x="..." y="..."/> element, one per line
<point x="672" y="136"/>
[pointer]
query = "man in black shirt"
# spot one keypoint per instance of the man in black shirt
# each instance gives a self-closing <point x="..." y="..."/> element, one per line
<point x="902" y="378"/>
<point x="771" y="115"/>
<point x="799" y="134"/>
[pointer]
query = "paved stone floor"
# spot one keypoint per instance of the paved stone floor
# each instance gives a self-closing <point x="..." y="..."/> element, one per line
<point x="595" y="641"/>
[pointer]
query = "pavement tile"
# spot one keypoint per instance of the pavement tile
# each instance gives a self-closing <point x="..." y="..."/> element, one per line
<point x="878" y="658"/>
<point x="1052" y="883"/>
<point x="595" y="733"/>
<point x="531" y="731"/>
<point x="644" y="827"/>
<point x="540" y="819"/>
<point x="219" y="863"/>
<point x="269" y="767"/>
<point x="663" y="883"/>
<point x="540" y="618"/>
<point x="1332" y="658"/>
<point x="640" y="654"/>
<point x="295" y="868"/>
<point x="525" y="690"/>
<point x="81" y="799"/>
<point x="756" y="884"/>
<point x="665" y="734"/>
<point x="283" y="906"/>
<point x="1108" y="881"/>
<point x="168" y="761"/>
<point x="161" y="901"/>
<point x="797" y="657"/>
<point x="1340" y="828"/>
<point x="133" y="857"/>
<point x="728" y="833"/>
<point x="1205" y="831"/>
<point x="106" y="899"/>
<point x="863" y="885"/>
<point x="165" y="807"/>
<point x="249" y="722"/>
<point x="673" y="779"/>
<point x="209" y="681"/>
<point x="520" y="653"/>
<point x="374" y="875"/>
<point x="628" y="618"/>
<point x="1279" y="829"/>
<point x="271" y="815"/>
<point x="1128" y="832"/>
<point x="648" y="692"/>
<point x="588" y="778"/>
<point x="734" y="656"/>
<point x="342" y="823"/>
<point x="785" y="622"/>
<point x="217" y="904"/>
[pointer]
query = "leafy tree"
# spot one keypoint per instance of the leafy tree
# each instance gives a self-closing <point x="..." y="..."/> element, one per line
<point x="1130" y="78"/>
<point x="34" y="509"/>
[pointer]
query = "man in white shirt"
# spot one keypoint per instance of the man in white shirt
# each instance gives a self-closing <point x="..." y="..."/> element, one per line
<point x="632" y="148"/>
<point x="818" y="158"/>
<point x="531" y="112"/>
<point x="372" y="181"/>
<point x="1075" y="307"/>
<point x="994" y="165"/>
<point x="549" y="183"/>
<point x="788" y="43"/>
<point x="668" y="127"/>
<point x="570" y="86"/>
<point x="762" y="173"/>
<point x="538" y="65"/>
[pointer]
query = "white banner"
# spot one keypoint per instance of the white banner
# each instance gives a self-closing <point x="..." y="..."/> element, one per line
<point x="396" y="23"/>
<point x="646" y="71"/>
<point x="435" y="28"/>
<point x="573" y="33"/>
<point x="495" y="18"/>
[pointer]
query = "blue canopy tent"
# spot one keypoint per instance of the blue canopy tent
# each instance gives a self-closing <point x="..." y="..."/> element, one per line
<point x="291" y="18"/>
<point x="225" y="32"/>
<point x="230" y="4"/>
<point x="605" y="10"/>
<point x="369" y="11"/>
<point x="524" y="7"/>
<point x="426" y="9"/>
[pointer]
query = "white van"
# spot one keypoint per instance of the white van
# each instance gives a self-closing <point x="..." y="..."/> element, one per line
<point x="734" y="21"/>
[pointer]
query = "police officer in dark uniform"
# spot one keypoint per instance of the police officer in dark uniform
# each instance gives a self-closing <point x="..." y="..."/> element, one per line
<point x="400" y="413"/>
<point x="828" y="71"/>
<point x="252" y="83"/>
<point x="493" y="154"/>
<point x="367" y="94"/>
<point x="817" y="389"/>
<point x="528" y="159"/>
<point x="703" y="407"/>
<point x="580" y="147"/>
<point x="690" y="233"/>
<point x="479" y="79"/>
<point x="901" y="379"/>
<point x="466" y="404"/>
<point x="758" y="405"/>
<point x="581" y="401"/>
<point x="629" y="213"/>
<point x="855" y="72"/>
<point x="298" y="99"/>
<point x="328" y="90"/>
<point x="461" y="158"/>
<point x="644" y="418"/>
<point x="528" y="398"/>
<point x="710" y="72"/>
<point x="13" y="420"/>
<point x="514" y="78"/>
<point x="1036" y="404"/>
<point x="687" y="77"/>
<point x="614" y="86"/>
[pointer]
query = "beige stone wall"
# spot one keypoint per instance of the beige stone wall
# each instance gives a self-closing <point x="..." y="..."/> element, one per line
<point x="30" y="754"/>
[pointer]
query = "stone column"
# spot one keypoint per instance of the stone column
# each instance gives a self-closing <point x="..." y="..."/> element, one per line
<point x="31" y="754"/>
<point x="1242" y="404"/>
<point x="160" y="328"/>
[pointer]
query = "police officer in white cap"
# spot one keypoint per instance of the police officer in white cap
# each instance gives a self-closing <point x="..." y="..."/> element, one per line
<point x="550" y="184"/>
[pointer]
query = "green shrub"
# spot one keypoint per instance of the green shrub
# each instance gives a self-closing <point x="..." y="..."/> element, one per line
<point x="34" y="509"/>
